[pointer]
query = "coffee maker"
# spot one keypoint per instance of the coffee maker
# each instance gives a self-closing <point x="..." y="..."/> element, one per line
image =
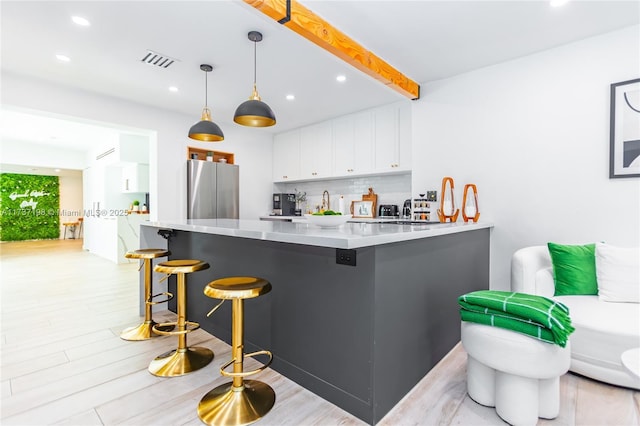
<point x="406" y="210"/>
<point x="284" y="204"/>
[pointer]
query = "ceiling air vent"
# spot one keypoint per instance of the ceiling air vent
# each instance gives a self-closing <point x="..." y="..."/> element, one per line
<point x="157" y="59"/>
<point x="104" y="154"/>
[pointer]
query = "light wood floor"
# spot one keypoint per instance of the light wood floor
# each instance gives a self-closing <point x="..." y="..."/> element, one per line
<point x="63" y="362"/>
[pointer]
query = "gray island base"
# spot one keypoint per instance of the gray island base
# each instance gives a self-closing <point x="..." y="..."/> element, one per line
<point x="358" y="336"/>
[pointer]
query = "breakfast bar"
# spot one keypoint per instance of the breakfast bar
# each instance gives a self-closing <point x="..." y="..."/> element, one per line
<point x="358" y="314"/>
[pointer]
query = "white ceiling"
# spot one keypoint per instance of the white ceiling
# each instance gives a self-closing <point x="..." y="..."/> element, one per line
<point x="21" y="125"/>
<point x="426" y="40"/>
<point x="39" y="170"/>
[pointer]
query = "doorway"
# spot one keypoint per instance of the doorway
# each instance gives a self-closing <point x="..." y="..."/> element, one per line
<point x="44" y="144"/>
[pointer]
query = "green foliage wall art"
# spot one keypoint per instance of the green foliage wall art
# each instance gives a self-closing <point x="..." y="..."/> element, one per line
<point x="29" y="206"/>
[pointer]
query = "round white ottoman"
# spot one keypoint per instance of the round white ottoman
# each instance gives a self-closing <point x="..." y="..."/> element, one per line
<point x="513" y="372"/>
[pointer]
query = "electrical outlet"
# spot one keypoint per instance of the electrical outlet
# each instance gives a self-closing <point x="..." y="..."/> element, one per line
<point x="346" y="257"/>
<point x="432" y="195"/>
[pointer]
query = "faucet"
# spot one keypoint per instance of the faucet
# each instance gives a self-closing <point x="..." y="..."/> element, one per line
<point x="328" y="201"/>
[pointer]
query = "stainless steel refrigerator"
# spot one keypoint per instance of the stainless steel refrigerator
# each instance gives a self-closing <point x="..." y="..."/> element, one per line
<point x="212" y="190"/>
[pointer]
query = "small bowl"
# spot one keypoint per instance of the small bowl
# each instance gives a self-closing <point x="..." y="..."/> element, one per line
<point x="222" y="160"/>
<point x="328" y="221"/>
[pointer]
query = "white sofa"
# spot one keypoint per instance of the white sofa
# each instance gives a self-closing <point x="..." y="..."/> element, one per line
<point x="604" y="330"/>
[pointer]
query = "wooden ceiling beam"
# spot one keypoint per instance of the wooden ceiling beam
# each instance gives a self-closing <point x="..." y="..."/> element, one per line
<point x="315" y="29"/>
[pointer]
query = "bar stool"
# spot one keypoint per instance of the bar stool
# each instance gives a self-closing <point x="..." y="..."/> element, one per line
<point x="144" y="330"/>
<point x="184" y="359"/>
<point x="239" y="402"/>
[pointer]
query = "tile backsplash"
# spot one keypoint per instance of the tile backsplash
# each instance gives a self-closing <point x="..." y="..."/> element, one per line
<point x="391" y="189"/>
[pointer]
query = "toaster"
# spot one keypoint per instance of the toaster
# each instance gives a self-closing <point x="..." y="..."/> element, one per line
<point x="388" y="210"/>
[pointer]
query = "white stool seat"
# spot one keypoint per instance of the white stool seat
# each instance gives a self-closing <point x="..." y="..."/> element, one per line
<point x="515" y="373"/>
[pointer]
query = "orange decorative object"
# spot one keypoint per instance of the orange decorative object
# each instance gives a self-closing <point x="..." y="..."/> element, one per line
<point x="447" y="211"/>
<point x="470" y="212"/>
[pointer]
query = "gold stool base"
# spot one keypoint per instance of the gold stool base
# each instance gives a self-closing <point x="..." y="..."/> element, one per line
<point x="224" y="406"/>
<point x="142" y="332"/>
<point x="178" y="362"/>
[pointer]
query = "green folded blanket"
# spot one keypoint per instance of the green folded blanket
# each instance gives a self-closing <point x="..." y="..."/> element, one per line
<point x="539" y="317"/>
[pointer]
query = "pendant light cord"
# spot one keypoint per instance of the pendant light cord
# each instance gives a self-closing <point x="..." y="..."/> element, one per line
<point x="255" y="61"/>
<point x="206" y="90"/>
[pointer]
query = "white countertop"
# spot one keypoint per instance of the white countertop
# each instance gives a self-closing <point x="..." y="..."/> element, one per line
<point x="355" y="219"/>
<point x="347" y="236"/>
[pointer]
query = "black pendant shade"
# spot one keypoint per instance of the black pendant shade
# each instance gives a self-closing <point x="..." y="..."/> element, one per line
<point x="254" y="112"/>
<point x="206" y="130"/>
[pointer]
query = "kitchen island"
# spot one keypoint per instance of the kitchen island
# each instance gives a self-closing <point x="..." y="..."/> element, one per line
<point x="357" y="314"/>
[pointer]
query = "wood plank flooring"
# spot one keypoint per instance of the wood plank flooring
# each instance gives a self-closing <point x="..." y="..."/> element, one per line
<point x="62" y="361"/>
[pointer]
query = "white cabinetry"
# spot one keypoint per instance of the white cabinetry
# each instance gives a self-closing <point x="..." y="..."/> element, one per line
<point x="135" y="178"/>
<point x="316" y="152"/>
<point x="353" y="144"/>
<point x="386" y="138"/>
<point x="392" y="138"/>
<point x="104" y="237"/>
<point x="92" y="201"/>
<point x="93" y="188"/>
<point x="286" y="156"/>
<point x="372" y="142"/>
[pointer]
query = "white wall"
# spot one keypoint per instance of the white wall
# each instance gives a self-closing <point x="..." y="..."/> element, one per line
<point x="533" y="134"/>
<point x="252" y="147"/>
<point x="70" y="200"/>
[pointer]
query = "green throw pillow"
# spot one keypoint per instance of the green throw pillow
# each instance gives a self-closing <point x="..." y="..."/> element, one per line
<point x="574" y="269"/>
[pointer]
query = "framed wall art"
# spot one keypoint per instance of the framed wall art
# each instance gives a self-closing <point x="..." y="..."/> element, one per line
<point x="624" y="150"/>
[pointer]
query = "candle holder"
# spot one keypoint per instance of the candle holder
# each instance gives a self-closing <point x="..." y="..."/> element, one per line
<point x="447" y="211"/>
<point x="470" y="211"/>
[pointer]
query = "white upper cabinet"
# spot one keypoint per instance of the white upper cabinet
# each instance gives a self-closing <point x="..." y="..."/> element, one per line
<point x="135" y="178"/>
<point x="371" y="142"/>
<point x="316" y="151"/>
<point x="386" y="138"/>
<point x="393" y="138"/>
<point x="286" y="156"/>
<point x="344" y="146"/>
<point x="353" y="144"/>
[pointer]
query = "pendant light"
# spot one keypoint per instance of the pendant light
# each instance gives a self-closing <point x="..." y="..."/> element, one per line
<point x="254" y="112"/>
<point x="206" y="130"/>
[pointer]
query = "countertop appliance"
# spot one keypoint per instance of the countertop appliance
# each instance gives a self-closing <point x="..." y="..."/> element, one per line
<point x="406" y="209"/>
<point x="388" y="210"/>
<point x="213" y="190"/>
<point x="284" y="204"/>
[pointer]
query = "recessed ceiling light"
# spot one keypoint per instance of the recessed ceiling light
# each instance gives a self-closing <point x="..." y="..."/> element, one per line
<point x="63" y="58"/>
<point x="80" y="21"/>
<point x="558" y="3"/>
<point x="341" y="78"/>
<point x="290" y="97"/>
<point x="173" y="89"/>
<point x="56" y="170"/>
